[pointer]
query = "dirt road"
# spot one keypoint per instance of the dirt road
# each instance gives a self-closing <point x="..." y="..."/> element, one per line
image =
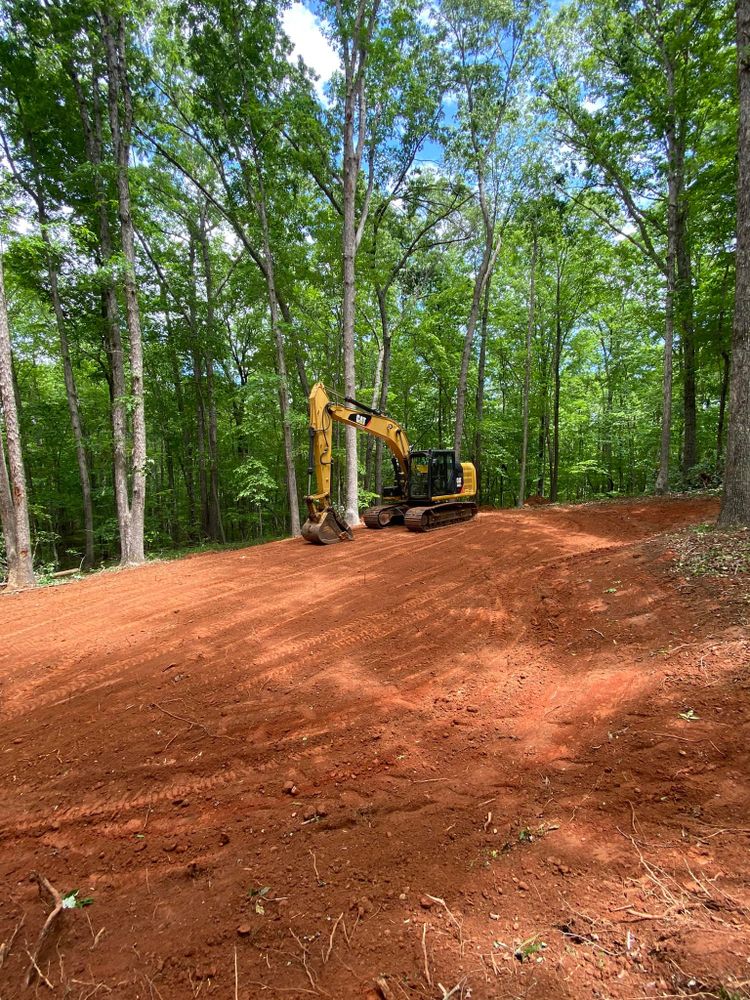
<point x="411" y="766"/>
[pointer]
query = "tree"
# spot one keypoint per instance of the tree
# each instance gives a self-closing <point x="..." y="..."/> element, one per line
<point x="633" y="112"/>
<point x="487" y="43"/>
<point x="14" y="508"/>
<point x="735" y="505"/>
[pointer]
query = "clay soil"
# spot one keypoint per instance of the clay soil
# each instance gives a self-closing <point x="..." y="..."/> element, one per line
<point x="449" y="765"/>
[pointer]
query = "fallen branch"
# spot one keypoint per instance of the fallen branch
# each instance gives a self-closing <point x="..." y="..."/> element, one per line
<point x="35" y="968"/>
<point x="315" y="868"/>
<point x="458" y="923"/>
<point x="7" y="945"/>
<point x="192" y="723"/>
<point x="46" y="889"/>
<point x="427" y="975"/>
<point x="330" y="941"/>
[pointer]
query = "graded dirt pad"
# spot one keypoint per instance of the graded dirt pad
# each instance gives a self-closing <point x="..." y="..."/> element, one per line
<point x="433" y="766"/>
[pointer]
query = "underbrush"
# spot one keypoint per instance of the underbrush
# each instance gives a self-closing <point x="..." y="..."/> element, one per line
<point x="707" y="550"/>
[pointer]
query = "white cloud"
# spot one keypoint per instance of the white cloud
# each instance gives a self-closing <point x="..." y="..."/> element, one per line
<point x="309" y="43"/>
<point x="593" y="106"/>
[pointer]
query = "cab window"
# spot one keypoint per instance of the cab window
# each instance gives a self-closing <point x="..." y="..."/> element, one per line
<point x="442" y="474"/>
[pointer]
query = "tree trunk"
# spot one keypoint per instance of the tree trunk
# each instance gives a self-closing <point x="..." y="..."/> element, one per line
<point x="662" y="480"/>
<point x="726" y="369"/>
<point x="349" y="237"/>
<point x="463" y="377"/>
<point x="735" y="504"/>
<point x="385" y="379"/>
<point x="527" y="375"/>
<point x="370" y="449"/>
<point x="93" y="139"/>
<point x="685" y="310"/>
<point x="278" y="339"/>
<point x="7" y="514"/>
<point x="555" y="455"/>
<point x="215" y="526"/>
<point x="35" y="191"/>
<point x="75" y="419"/>
<point x="13" y="486"/>
<point x="480" y="386"/>
<point x="120" y="125"/>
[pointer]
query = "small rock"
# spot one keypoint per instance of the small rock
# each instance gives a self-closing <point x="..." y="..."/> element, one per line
<point x="310" y="812"/>
<point x="224" y="839"/>
<point x="170" y="847"/>
<point x="522" y="887"/>
<point x="244" y="929"/>
<point x="425" y="902"/>
<point x="290" y="788"/>
<point x="472" y="708"/>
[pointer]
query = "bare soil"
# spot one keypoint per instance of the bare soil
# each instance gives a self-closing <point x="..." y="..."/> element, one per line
<point x="504" y="760"/>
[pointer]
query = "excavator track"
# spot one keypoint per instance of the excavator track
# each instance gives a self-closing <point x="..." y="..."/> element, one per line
<point x="439" y="516"/>
<point x="384" y="516"/>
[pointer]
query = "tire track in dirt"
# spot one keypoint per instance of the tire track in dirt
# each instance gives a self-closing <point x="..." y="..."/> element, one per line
<point x="401" y="682"/>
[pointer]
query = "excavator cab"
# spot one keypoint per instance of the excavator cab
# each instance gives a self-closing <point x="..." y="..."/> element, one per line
<point x="434" y="475"/>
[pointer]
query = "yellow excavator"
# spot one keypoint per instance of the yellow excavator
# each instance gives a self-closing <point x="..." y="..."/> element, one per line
<point x="431" y="490"/>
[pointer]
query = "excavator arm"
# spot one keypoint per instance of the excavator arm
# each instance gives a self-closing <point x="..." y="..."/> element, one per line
<point x="323" y="524"/>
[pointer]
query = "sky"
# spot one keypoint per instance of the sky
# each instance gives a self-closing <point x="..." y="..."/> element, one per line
<point x="303" y="29"/>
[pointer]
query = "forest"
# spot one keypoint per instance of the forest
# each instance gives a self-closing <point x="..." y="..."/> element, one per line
<point x="508" y="223"/>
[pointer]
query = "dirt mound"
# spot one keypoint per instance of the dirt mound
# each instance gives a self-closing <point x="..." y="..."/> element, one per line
<point x="506" y="759"/>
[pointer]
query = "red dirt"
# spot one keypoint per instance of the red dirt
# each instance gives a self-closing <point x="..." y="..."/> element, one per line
<point x="479" y="735"/>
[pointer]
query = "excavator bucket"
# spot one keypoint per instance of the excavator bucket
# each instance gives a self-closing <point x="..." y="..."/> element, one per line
<point x="325" y="529"/>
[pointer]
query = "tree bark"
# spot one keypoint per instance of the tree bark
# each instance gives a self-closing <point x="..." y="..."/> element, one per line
<point x="370" y="449"/>
<point x="480" y="386"/>
<point x="215" y="526"/>
<point x="685" y="311"/>
<point x="662" y="479"/>
<point x="121" y="121"/>
<point x="385" y="378"/>
<point x="94" y="144"/>
<point x="14" y="506"/>
<point x="485" y="268"/>
<point x="735" y="504"/>
<point x="555" y="455"/>
<point x="355" y="52"/>
<point x="277" y="333"/>
<point x="724" y="393"/>
<point x="527" y="374"/>
<point x="351" y="171"/>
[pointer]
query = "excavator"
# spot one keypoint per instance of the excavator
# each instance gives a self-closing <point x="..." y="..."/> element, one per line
<point x="431" y="488"/>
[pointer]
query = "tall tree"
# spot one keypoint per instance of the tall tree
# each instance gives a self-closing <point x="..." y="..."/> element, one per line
<point x="14" y="508"/>
<point x="354" y="25"/>
<point x="735" y="504"/>
<point x="487" y="44"/>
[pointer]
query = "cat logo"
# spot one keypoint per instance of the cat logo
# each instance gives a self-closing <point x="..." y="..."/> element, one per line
<point x="361" y="419"/>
